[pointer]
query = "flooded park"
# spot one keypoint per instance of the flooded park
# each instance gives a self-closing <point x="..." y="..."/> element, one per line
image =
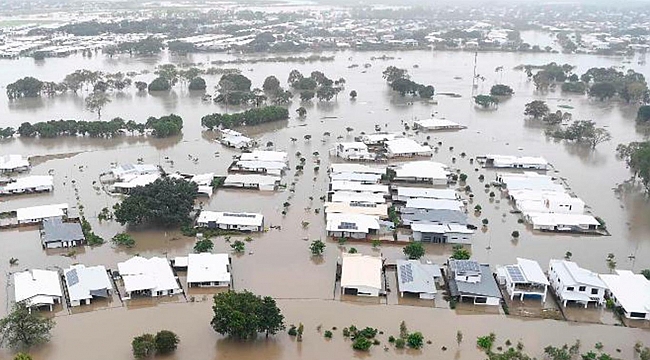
<point x="277" y="262"/>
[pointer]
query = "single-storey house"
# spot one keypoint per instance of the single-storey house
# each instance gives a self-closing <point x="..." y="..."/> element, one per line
<point x="55" y="233"/>
<point x="87" y="282"/>
<point x="204" y="183"/>
<point x="441" y="233"/>
<point x="234" y="139"/>
<point x="572" y="283"/>
<point x="525" y="278"/>
<point x="429" y="172"/>
<point x="121" y="172"/>
<point x="562" y="222"/>
<point x="208" y="270"/>
<point x="350" y="197"/>
<point x="362" y="178"/>
<point x="355" y="186"/>
<point x="252" y="181"/>
<point x="414" y="277"/>
<point x="405" y="193"/>
<point x="231" y="221"/>
<point x="36" y="214"/>
<point x="356" y="168"/>
<point x="361" y="275"/>
<point x="434" y="204"/>
<point x="258" y="166"/>
<point x="515" y="162"/>
<point x="129" y="182"/>
<point x="148" y="277"/>
<point x="437" y="124"/>
<point x="36" y="288"/>
<point x="404" y="147"/>
<point x="630" y="291"/>
<point x="347" y="225"/>
<point x="29" y="184"/>
<point x="470" y="280"/>
<point x="13" y="163"/>
<point x="411" y="216"/>
<point x="379" y="210"/>
<point x="352" y="151"/>
<point x="379" y="138"/>
<point x="264" y="155"/>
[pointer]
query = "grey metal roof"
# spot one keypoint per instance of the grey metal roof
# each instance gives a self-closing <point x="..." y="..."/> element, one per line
<point x="415" y="277"/>
<point x="54" y="230"/>
<point x="486" y="287"/>
<point x="410" y="215"/>
<point x="462" y="267"/>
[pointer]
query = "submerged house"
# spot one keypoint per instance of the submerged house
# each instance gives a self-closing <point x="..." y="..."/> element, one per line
<point x="356" y="168"/>
<point x="572" y="283"/>
<point x="414" y="277"/>
<point x="234" y="139"/>
<point x="469" y="280"/>
<point x="85" y="283"/>
<point x="126" y="171"/>
<point x="259" y="166"/>
<point x="524" y="279"/>
<point x="357" y="177"/>
<point x="355" y="207"/>
<point x="37" y="288"/>
<point x="441" y="233"/>
<point x="562" y="222"/>
<point x="264" y="155"/>
<point x="361" y="275"/>
<point x="349" y="197"/>
<point x="352" y="151"/>
<point x="437" y="124"/>
<point x="630" y="291"/>
<point x="129" y="182"/>
<point x="55" y="233"/>
<point x="404" y="147"/>
<point x="29" y="184"/>
<point x="252" y="181"/>
<point x="36" y="214"/>
<point x="515" y="162"/>
<point x="148" y="277"/>
<point x="405" y="193"/>
<point x="355" y="186"/>
<point x="13" y="163"/>
<point x="428" y="172"/>
<point x="208" y="270"/>
<point x="357" y="226"/>
<point x="231" y="221"/>
<point x="379" y="138"/>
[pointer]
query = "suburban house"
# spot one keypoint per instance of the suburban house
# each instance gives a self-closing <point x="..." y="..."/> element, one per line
<point x="434" y="204"/>
<point x="379" y="138"/>
<point x="529" y="181"/>
<point x="264" y="155"/>
<point x="235" y="139"/>
<point x="204" y="183"/>
<point x="572" y="283"/>
<point x="562" y="222"/>
<point x="514" y="162"/>
<point x="630" y="291"/>
<point x="208" y="270"/>
<point x="414" y="277"/>
<point x="55" y="233"/>
<point x="405" y="147"/>
<point x="29" y="184"/>
<point x="352" y="151"/>
<point x="524" y="279"/>
<point x="412" y="216"/>
<point x="348" y="197"/>
<point x="252" y="181"/>
<point x="129" y="182"/>
<point x="148" y="277"/>
<point x="355" y="226"/>
<point x="258" y="166"/>
<point x="87" y="282"/>
<point x="469" y="280"/>
<point x="36" y="214"/>
<point x="231" y="221"/>
<point x="528" y="201"/>
<point x="355" y="186"/>
<point x="13" y="163"/>
<point x="405" y="193"/>
<point x="353" y="207"/>
<point x="437" y="124"/>
<point x="361" y="275"/>
<point x="441" y="233"/>
<point x="356" y="168"/>
<point x="126" y="171"/>
<point x="362" y="178"/>
<point x="429" y="172"/>
<point x="37" y="288"/>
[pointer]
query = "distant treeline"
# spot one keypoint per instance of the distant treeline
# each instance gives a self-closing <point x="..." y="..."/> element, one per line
<point x="254" y="116"/>
<point x="300" y="59"/>
<point x="163" y="126"/>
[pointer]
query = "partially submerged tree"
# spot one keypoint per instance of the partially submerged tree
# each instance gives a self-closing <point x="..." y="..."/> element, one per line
<point x="22" y="328"/>
<point x="143" y="346"/>
<point x="166" y="342"/>
<point x="501" y="90"/>
<point x="414" y="250"/>
<point x="317" y="247"/>
<point x="486" y="101"/>
<point x="203" y="245"/>
<point x="242" y="315"/>
<point x="536" y="109"/>
<point x="96" y="101"/>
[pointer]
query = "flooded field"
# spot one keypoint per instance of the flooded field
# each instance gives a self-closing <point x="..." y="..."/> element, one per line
<point x="278" y="262"/>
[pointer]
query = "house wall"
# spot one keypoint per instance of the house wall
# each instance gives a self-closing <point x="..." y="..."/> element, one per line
<point x="450" y="238"/>
<point x="364" y="290"/>
<point x="345" y="234"/>
<point x="559" y="287"/>
<point x="209" y="284"/>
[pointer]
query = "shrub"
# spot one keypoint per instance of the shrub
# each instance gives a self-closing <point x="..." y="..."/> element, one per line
<point x="166" y="342"/>
<point x="197" y="84"/>
<point x="143" y="346"/>
<point x="400" y="343"/>
<point x="328" y="334"/>
<point x="415" y="340"/>
<point x="485" y="342"/>
<point x="361" y="343"/>
<point x="515" y="234"/>
<point x="159" y="84"/>
<point x="293" y="331"/>
<point x="391" y="339"/>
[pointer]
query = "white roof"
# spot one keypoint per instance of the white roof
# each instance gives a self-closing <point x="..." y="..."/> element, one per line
<point x="259" y="164"/>
<point x="422" y="169"/>
<point x="358" y="187"/>
<point x="231" y="218"/>
<point x="357" y="168"/>
<point x="264" y="155"/>
<point x="365" y="208"/>
<point x="41" y="212"/>
<point x="508" y="160"/>
<point x="352" y="146"/>
<point x="29" y="182"/>
<point x="347" y="197"/>
<point x="555" y="219"/>
<point x="374" y="178"/>
<point x="631" y="290"/>
<point x="81" y="280"/>
<point x="375" y="138"/>
<point x="440" y="228"/>
<point x="530" y="181"/>
<point x="203" y="179"/>
<point x="181" y="261"/>
<point x="355" y="223"/>
<point x="12" y="161"/>
<point x="206" y="267"/>
<point x="405" y="146"/>
<point x="32" y="283"/>
<point x="434" y="204"/>
<point x="236" y="140"/>
<point x="417" y="192"/>
<point x="251" y="179"/>
<point x="132" y="181"/>
<point x="526" y="272"/>
<point x="437" y="124"/>
<point x="153" y="274"/>
<point x="571" y="274"/>
<point x="125" y="169"/>
<point x="361" y="270"/>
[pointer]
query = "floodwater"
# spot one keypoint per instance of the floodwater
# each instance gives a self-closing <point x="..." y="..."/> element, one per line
<point x="278" y="263"/>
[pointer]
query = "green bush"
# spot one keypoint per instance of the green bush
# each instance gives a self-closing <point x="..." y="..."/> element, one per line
<point x="361" y="343"/>
<point x="328" y="334"/>
<point x="400" y="343"/>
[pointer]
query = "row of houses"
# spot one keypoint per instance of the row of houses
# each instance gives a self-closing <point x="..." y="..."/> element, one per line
<point x="152" y="277"/>
<point x="27" y="185"/>
<point x="126" y="177"/>
<point x="13" y="163"/>
<point x="377" y="146"/>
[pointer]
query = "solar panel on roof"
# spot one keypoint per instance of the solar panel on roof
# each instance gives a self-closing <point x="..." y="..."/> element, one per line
<point x="72" y="277"/>
<point x="515" y="274"/>
<point x="406" y="273"/>
<point x="348" y="225"/>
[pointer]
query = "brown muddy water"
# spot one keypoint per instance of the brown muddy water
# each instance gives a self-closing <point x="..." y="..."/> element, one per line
<point x="277" y="263"/>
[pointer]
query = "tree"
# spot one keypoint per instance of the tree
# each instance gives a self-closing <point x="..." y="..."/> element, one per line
<point x="637" y="157"/>
<point x="166" y="201"/>
<point x="25" y="87"/>
<point x="643" y="114"/>
<point x="23" y="329"/>
<point x="501" y="90"/>
<point x="141" y="85"/>
<point x="584" y="132"/>
<point x="165" y="126"/>
<point x="415" y="340"/>
<point x="393" y="73"/>
<point x="271" y="85"/>
<point x="96" y="101"/>
<point x="459" y="337"/>
<point x="143" y="346"/>
<point x="307" y="95"/>
<point x="646" y="273"/>
<point x="317" y="247"/>
<point x="602" y="90"/>
<point x="294" y="77"/>
<point x="168" y="72"/>
<point x="166" y="342"/>
<point x="123" y="239"/>
<point x="181" y="47"/>
<point x="486" y="101"/>
<point x="414" y="250"/>
<point x="460" y="253"/>
<point x="7" y="132"/>
<point x="326" y="93"/>
<point x="361" y="343"/>
<point x="197" y="83"/>
<point x="159" y="84"/>
<point x="537" y="109"/>
<point x="22" y="356"/>
<point x="574" y="87"/>
<point x="242" y="315"/>
<point x="203" y="245"/>
<point x="353" y="94"/>
<point x="238" y="246"/>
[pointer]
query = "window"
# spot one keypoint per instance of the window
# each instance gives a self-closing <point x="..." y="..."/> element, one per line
<point x="582" y="288"/>
<point x="594" y="291"/>
<point x="637" y="315"/>
<point x="570" y="288"/>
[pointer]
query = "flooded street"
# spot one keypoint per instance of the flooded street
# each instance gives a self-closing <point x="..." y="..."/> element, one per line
<point x="278" y="263"/>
